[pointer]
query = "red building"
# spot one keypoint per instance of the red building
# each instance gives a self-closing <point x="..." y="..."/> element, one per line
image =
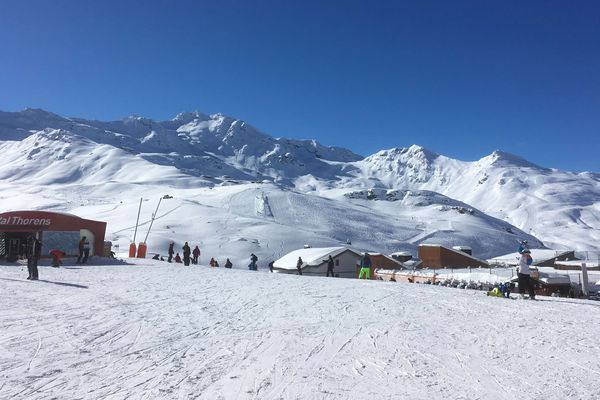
<point x="56" y="231"/>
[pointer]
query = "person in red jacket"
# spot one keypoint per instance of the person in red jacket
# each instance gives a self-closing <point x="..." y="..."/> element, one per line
<point x="57" y="256"/>
<point x="177" y="258"/>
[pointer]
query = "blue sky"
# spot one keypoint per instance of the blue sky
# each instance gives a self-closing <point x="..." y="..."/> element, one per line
<point x="461" y="78"/>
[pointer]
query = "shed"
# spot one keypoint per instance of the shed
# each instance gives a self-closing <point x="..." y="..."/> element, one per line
<point x="438" y="256"/>
<point x="315" y="261"/>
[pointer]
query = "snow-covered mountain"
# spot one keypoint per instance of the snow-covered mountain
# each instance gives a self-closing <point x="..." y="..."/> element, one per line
<point x="237" y="190"/>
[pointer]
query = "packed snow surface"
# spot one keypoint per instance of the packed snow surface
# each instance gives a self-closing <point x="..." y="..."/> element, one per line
<point x="157" y="330"/>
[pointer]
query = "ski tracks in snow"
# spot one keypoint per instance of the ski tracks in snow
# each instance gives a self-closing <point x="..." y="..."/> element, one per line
<point x="167" y="331"/>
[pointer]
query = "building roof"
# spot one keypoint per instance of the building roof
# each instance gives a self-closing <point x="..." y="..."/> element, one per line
<point x="310" y="257"/>
<point x="462" y="253"/>
<point x="539" y="256"/>
<point x="577" y="263"/>
<point x="554" y="279"/>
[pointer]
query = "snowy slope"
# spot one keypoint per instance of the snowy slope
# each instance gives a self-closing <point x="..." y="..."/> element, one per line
<point x="561" y="208"/>
<point x="221" y="170"/>
<point x="171" y="332"/>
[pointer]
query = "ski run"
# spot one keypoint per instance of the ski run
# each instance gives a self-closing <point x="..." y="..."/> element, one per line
<point x="153" y="330"/>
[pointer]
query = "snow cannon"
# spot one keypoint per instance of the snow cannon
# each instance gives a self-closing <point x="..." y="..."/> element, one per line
<point x="132" y="250"/>
<point x="142" y="250"/>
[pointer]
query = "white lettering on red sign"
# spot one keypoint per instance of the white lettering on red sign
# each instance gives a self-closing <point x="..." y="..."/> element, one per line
<point x="16" y="220"/>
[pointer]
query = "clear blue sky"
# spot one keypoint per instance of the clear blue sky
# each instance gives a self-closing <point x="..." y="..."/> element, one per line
<point x="461" y="78"/>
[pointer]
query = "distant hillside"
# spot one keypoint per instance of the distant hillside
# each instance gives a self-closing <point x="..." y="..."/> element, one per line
<point x="196" y="152"/>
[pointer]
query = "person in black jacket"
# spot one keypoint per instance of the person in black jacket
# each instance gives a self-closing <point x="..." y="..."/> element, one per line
<point x="171" y="252"/>
<point x="330" y="267"/>
<point x="299" y="265"/>
<point x="34" y="250"/>
<point x="253" y="260"/>
<point x="228" y="264"/>
<point x="186" y="253"/>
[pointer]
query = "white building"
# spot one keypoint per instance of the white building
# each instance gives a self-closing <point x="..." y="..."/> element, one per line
<point x="315" y="262"/>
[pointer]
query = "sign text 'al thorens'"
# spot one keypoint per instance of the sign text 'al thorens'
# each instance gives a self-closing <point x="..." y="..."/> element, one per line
<point x="16" y="220"/>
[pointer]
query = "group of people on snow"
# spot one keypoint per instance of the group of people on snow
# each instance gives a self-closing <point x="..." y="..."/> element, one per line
<point x="34" y="252"/>
<point x="189" y="256"/>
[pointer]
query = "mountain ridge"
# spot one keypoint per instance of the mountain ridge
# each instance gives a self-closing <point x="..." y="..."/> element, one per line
<point x="214" y="149"/>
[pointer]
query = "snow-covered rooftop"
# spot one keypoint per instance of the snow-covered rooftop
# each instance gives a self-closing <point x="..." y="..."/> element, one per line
<point x="310" y="256"/>
<point x="538" y="255"/>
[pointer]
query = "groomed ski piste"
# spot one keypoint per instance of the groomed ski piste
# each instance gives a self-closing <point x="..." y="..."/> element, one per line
<point x="152" y="330"/>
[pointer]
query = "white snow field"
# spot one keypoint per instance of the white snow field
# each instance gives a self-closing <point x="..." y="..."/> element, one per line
<point x="159" y="331"/>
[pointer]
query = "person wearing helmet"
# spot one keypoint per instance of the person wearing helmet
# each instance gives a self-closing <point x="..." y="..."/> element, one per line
<point x="522" y="246"/>
<point x="524" y="275"/>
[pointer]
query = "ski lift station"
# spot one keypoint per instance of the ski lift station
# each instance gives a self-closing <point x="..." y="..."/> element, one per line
<point x="55" y="231"/>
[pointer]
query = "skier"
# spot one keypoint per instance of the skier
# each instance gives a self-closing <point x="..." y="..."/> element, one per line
<point x="365" y="266"/>
<point x="271" y="265"/>
<point x="330" y="266"/>
<point x="524" y="274"/>
<point x="81" y="243"/>
<point x="34" y="248"/>
<point x="186" y="253"/>
<point x="299" y="265"/>
<point x="177" y="258"/>
<point x="228" y="264"/>
<point x="253" y="260"/>
<point x="86" y="250"/>
<point x="195" y="254"/>
<point x="57" y="256"/>
<point x="171" y="252"/>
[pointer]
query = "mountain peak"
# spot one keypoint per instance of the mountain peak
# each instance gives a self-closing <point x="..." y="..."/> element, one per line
<point x="505" y="159"/>
<point x="189" y="116"/>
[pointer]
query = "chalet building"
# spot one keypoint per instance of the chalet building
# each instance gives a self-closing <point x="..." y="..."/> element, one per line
<point x="381" y="261"/>
<point x="55" y="230"/>
<point x="315" y="262"/>
<point x="437" y="256"/>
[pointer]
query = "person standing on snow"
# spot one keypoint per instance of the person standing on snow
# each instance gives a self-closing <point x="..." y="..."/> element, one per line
<point x="330" y="266"/>
<point x="86" y="251"/>
<point x="195" y="254"/>
<point x="253" y="261"/>
<point x="299" y="265"/>
<point x="186" y="253"/>
<point x="34" y="249"/>
<point x="524" y="275"/>
<point x="365" y="266"/>
<point x="81" y="243"/>
<point x="171" y="251"/>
